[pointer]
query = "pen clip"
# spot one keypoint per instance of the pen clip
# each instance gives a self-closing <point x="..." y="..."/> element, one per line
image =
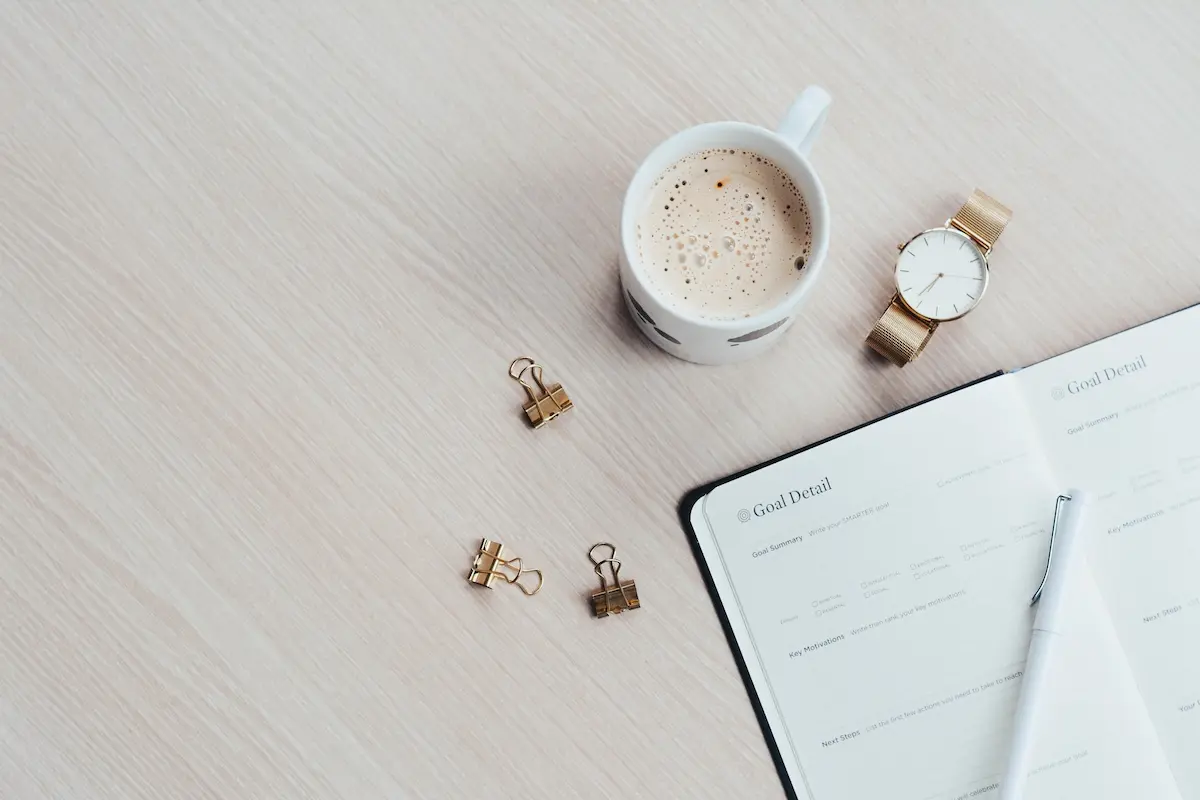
<point x="1058" y="504"/>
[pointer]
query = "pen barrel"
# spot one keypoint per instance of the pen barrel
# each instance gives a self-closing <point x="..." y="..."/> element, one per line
<point x="1047" y="630"/>
<point x="1025" y="720"/>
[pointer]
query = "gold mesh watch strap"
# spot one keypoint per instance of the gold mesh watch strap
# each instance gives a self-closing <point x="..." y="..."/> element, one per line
<point x="983" y="218"/>
<point x="900" y="336"/>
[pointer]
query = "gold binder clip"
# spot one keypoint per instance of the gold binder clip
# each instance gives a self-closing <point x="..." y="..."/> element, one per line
<point x="545" y="402"/>
<point x="621" y="595"/>
<point x="490" y="564"/>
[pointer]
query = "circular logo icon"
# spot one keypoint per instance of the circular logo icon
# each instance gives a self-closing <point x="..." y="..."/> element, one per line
<point x="744" y="515"/>
<point x="1057" y="393"/>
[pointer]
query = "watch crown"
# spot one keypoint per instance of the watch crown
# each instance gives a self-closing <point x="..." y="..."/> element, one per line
<point x="900" y="246"/>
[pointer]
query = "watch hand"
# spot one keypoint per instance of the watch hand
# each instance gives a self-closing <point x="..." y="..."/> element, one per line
<point x="964" y="277"/>
<point x="936" y="278"/>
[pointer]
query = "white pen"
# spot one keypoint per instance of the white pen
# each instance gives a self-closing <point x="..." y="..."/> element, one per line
<point x="1065" y="535"/>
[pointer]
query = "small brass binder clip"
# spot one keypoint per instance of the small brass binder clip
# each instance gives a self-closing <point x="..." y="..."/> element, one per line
<point x="545" y="402"/>
<point x="490" y="564"/>
<point x="620" y="595"/>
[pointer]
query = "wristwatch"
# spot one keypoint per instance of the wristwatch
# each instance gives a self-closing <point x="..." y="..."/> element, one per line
<point x="941" y="274"/>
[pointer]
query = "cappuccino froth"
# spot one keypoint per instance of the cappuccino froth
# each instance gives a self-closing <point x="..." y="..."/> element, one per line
<point x="725" y="235"/>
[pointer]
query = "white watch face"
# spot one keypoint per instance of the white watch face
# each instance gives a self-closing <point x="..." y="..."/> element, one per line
<point x="941" y="274"/>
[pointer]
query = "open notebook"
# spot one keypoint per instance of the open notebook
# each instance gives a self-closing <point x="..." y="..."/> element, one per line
<point x="875" y="587"/>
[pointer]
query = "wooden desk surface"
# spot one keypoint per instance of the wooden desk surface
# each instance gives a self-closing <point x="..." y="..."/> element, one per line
<point x="263" y="266"/>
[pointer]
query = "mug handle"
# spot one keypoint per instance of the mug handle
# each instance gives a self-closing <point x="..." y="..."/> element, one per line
<point x="802" y="124"/>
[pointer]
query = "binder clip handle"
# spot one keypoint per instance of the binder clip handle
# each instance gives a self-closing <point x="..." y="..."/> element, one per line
<point x="612" y="552"/>
<point x="518" y="572"/>
<point x="515" y="373"/>
<point x="613" y="564"/>
<point x="521" y="571"/>
<point x="535" y="371"/>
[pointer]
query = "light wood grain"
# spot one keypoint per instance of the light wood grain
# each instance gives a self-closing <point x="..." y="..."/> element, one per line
<point x="263" y="265"/>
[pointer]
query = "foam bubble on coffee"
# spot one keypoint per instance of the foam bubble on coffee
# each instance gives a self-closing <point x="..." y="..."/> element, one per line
<point x="725" y="235"/>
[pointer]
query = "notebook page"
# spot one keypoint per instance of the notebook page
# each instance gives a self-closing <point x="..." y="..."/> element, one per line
<point x="878" y="586"/>
<point x="1121" y="417"/>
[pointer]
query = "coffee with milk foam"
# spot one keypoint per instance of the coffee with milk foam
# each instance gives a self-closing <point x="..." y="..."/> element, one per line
<point x="725" y="235"/>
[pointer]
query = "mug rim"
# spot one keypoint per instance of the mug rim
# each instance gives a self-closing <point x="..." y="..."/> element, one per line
<point x="820" y="233"/>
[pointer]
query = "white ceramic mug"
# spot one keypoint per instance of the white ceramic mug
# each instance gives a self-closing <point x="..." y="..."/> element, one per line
<point x="708" y="341"/>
